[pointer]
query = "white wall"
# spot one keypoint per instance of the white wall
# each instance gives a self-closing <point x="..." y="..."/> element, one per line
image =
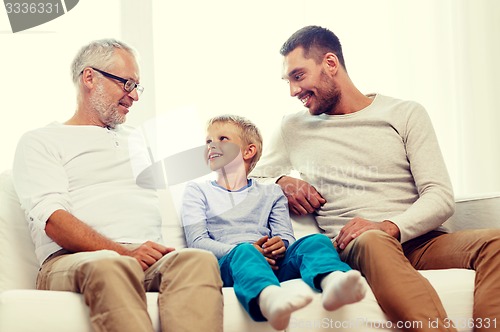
<point x="35" y="84"/>
<point x="35" y="81"/>
<point x="221" y="56"/>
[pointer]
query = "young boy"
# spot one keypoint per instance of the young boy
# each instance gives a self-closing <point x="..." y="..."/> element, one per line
<point x="247" y="226"/>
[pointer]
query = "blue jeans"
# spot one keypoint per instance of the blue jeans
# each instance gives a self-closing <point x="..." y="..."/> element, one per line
<point x="246" y="269"/>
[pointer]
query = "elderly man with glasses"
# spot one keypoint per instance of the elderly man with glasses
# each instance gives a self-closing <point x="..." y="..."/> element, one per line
<point x="97" y="232"/>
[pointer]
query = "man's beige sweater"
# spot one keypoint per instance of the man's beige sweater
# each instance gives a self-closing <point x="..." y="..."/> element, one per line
<point x="380" y="163"/>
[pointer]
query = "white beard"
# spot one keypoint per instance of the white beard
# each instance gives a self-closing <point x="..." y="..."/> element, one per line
<point x="107" y="113"/>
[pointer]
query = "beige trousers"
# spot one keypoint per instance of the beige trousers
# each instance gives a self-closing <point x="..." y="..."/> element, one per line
<point x="114" y="286"/>
<point x="406" y="296"/>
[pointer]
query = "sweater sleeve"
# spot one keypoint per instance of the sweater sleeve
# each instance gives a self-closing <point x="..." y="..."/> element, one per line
<point x="194" y="222"/>
<point x="275" y="161"/>
<point x="279" y="219"/>
<point x="436" y="201"/>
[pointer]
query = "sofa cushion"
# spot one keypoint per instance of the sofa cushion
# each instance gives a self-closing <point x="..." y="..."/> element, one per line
<point x="45" y="307"/>
<point x="475" y="211"/>
<point x="44" y="310"/>
<point x="18" y="262"/>
<point x="172" y="232"/>
<point x="455" y="288"/>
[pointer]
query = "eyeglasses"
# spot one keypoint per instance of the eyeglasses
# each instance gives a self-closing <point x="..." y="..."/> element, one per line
<point x="128" y="84"/>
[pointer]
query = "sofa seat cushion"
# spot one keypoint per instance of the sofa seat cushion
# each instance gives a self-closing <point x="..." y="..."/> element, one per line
<point x="454" y="286"/>
<point x="21" y="310"/>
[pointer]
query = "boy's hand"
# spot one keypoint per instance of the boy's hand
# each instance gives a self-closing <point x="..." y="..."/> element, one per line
<point x="259" y="245"/>
<point x="274" y="247"/>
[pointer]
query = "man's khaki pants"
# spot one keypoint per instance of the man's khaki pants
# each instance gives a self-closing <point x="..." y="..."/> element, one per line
<point x="113" y="286"/>
<point x="406" y="296"/>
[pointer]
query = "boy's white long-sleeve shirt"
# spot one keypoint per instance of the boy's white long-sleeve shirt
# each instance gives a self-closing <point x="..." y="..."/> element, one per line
<point x="380" y="163"/>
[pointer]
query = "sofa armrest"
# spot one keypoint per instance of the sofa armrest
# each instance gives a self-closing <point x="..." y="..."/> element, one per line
<point x="477" y="211"/>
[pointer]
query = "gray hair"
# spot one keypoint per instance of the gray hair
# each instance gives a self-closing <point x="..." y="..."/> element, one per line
<point x="98" y="54"/>
<point x="249" y="133"/>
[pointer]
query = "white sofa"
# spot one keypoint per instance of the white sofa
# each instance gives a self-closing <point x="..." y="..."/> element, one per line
<point x="23" y="309"/>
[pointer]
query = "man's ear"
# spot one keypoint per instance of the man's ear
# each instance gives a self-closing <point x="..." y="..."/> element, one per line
<point x="331" y="62"/>
<point x="249" y="152"/>
<point x="88" y="78"/>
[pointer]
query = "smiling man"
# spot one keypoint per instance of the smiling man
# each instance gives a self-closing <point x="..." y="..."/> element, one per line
<point x="373" y="174"/>
<point x="96" y="232"/>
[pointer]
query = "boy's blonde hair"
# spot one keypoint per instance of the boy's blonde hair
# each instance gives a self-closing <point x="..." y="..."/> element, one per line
<point x="249" y="133"/>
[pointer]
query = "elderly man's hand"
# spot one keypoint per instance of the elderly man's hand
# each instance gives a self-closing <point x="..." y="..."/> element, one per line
<point x="149" y="253"/>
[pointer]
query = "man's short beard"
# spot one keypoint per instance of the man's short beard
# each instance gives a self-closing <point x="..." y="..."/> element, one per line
<point x="328" y="96"/>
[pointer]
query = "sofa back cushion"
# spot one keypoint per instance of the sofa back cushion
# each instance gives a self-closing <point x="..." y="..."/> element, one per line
<point x="475" y="211"/>
<point x="172" y="232"/>
<point x="18" y="262"/>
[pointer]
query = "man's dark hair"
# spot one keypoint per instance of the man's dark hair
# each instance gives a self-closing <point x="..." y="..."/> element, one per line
<point x="316" y="42"/>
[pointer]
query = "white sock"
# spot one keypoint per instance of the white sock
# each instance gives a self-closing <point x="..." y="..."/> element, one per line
<point x="277" y="305"/>
<point x="341" y="288"/>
